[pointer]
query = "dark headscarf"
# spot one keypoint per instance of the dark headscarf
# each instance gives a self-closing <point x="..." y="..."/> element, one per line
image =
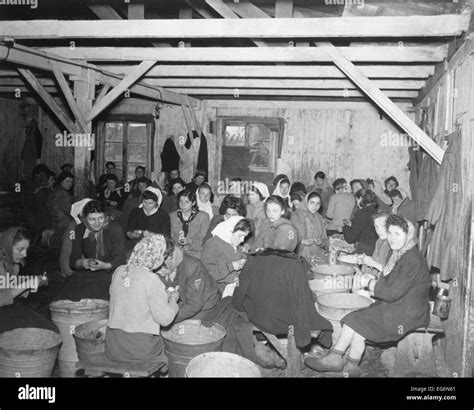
<point x="6" y="247"/>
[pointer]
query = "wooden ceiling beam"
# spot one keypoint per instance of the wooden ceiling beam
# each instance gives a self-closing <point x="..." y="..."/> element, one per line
<point x="105" y="12"/>
<point x="225" y="92"/>
<point x="283" y="8"/>
<point x="450" y="25"/>
<point x="383" y="102"/>
<point x="25" y="56"/>
<point x="381" y="54"/>
<point x="49" y="101"/>
<point x="197" y="6"/>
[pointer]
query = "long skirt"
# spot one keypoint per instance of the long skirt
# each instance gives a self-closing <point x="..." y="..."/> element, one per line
<point x="86" y="285"/>
<point x="134" y="348"/>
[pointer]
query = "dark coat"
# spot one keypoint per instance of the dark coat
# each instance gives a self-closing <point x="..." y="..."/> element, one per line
<point x="217" y="257"/>
<point x="274" y="292"/>
<point x="216" y="220"/>
<point x="197" y="289"/>
<point x="402" y="304"/>
<point x="362" y="231"/>
<point x="159" y="222"/>
<point x="114" y="246"/>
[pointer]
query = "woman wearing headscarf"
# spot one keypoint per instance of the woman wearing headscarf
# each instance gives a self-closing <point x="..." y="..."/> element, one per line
<point x="311" y="229"/>
<point x="204" y="199"/>
<point x="282" y="190"/>
<point x="188" y="224"/>
<point x="257" y="196"/>
<point x="148" y="218"/>
<point x="66" y="246"/>
<point x="140" y="306"/>
<point x="221" y="255"/>
<point x="384" y="202"/>
<point x="14" y="244"/>
<point x="401" y="305"/>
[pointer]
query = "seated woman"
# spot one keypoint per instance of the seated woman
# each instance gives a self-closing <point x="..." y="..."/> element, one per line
<point x="360" y="230"/>
<point x="282" y="190"/>
<point x="221" y="255"/>
<point x="14" y="245"/>
<point x="384" y="202"/>
<point x="198" y="292"/>
<point x="188" y="224"/>
<point x="98" y="248"/>
<point x="230" y="206"/>
<point x="373" y="265"/>
<point x="112" y="196"/>
<point x="59" y="208"/>
<point x="148" y="218"/>
<point x="311" y="229"/>
<point x="170" y="202"/>
<point x="66" y="246"/>
<point x="401" y="307"/>
<point x="256" y="209"/>
<point x="297" y="199"/>
<point x="139" y="306"/>
<point x="205" y="198"/>
<point x="133" y="202"/>
<point x="276" y="231"/>
<point x="41" y="198"/>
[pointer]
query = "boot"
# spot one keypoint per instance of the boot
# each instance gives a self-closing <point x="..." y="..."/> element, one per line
<point x="332" y="362"/>
<point x="351" y="368"/>
<point x="267" y="358"/>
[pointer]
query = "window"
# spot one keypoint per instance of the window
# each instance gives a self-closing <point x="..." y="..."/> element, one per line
<point x="250" y="147"/>
<point x="126" y="142"/>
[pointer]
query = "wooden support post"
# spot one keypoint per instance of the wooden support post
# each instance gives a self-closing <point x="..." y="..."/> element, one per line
<point x="284" y="8"/>
<point x="383" y="102"/>
<point x="136" y="11"/>
<point x="68" y="95"/>
<point x="124" y="85"/>
<point x="50" y="102"/>
<point x="84" y="92"/>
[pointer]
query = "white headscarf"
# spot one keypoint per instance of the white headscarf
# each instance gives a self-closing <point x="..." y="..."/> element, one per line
<point x="205" y="207"/>
<point x="277" y="191"/>
<point x="77" y="207"/>
<point x="262" y="188"/>
<point x="225" y="229"/>
<point x="158" y="194"/>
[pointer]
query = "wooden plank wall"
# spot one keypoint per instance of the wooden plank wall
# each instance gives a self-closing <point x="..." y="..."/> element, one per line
<point x="12" y="137"/>
<point x="342" y="139"/>
<point x="453" y="100"/>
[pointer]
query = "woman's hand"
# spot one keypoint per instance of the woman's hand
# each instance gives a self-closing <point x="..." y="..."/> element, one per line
<point x="307" y="242"/>
<point x="365" y="279"/>
<point x="113" y="203"/>
<point x="87" y="263"/>
<point x="99" y="265"/>
<point x="371" y="262"/>
<point x="183" y="241"/>
<point x="238" y="265"/>
<point x="173" y="296"/>
<point x="147" y="234"/>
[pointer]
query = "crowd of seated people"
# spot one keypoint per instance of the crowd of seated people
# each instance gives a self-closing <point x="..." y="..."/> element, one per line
<point x="183" y="250"/>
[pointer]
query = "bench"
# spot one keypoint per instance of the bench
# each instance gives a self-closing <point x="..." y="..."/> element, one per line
<point x="414" y="354"/>
<point x="291" y="354"/>
<point x="99" y="366"/>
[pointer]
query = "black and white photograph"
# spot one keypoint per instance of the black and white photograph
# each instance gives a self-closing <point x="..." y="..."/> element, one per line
<point x="274" y="193"/>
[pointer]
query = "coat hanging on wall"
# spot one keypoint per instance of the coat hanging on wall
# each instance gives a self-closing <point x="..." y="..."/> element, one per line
<point x="32" y="146"/>
<point x="169" y="156"/>
<point x="202" y="162"/>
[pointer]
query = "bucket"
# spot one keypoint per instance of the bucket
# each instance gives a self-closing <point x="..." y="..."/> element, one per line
<point x="323" y="271"/>
<point x="221" y="364"/>
<point x="330" y="285"/>
<point x="338" y="305"/>
<point x="189" y="339"/>
<point x="28" y="352"/>
<point x="90" y="339"/>
<point x="67" y="315"/>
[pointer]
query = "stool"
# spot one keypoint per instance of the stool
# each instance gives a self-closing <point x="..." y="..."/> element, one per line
<point x="414" y="354"/>
<point x="100" y="365"/>
<point x="291" y="354"/>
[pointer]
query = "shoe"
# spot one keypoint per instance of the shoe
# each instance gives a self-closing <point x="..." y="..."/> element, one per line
<point x="332" y="362"/>
<point x="267" y="358"/>
<point x="351" y="368"/>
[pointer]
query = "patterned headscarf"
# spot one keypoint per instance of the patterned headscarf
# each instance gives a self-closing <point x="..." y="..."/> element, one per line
<point x="149" y="253"/>
<point x="410" y="242"/>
